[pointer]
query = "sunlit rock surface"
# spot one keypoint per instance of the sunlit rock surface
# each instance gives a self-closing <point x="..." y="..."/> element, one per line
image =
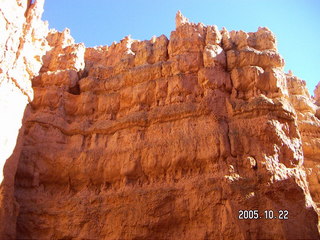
<point x="161" y="139"/>
<point x="22" y="45"/>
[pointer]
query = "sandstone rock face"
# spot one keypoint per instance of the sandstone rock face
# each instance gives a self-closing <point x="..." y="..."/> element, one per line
<point x="309" y="127"/>
<point x="166" y="139"/>
<point x="22" y="45"/>
<point x="317" y="94"/>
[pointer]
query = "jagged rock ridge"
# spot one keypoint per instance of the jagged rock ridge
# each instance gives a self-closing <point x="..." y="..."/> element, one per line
<point x="167" y="139"/>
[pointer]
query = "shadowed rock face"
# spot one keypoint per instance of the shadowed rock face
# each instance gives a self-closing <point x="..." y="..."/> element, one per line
<point x="163" y="139"/>
<point x="22" y="45"/>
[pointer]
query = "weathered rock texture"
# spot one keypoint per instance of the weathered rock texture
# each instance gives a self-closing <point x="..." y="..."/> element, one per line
<point x="22" y="45"/>
<point x="166" y="139"/>
<point x="309" y="127"/>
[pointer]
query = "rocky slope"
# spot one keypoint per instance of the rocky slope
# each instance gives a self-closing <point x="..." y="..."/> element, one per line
<point x="164" y="139"/>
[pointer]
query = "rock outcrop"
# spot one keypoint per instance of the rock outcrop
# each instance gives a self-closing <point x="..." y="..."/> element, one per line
<point x="317" y="94"/>
<point x="165" y="139"/>
<point x="309" y="127"/>
<point x="22" y="45"/>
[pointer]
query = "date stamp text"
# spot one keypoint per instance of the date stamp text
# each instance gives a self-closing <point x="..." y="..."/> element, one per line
<point x="266" y="214"/>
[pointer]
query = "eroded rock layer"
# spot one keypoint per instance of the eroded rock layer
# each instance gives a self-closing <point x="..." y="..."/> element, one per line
<point x="309" y="127"/>
<point x="167" y="139"/>
<point x="22" y="45"/>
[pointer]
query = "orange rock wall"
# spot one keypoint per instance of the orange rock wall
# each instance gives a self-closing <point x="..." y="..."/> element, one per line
<point x="21" y="50"/>
<point x="309" y="127"/>
<point x="167" y="139"/>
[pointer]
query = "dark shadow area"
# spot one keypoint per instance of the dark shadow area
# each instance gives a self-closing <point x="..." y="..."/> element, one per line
<point x="75" y="90"/>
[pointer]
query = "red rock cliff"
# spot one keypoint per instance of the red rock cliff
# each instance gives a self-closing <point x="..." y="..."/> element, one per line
<point x="165" y="139"/>
<point x="22" y="45"/>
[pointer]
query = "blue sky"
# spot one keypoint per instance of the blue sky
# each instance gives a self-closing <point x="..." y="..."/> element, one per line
<point x="100" y="22"/>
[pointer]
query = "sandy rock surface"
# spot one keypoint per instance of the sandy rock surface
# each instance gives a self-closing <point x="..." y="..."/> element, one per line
<point x="167" y="138"/>
<point x="22" y="45"/>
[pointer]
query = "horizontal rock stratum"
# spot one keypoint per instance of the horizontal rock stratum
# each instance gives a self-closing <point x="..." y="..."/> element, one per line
<point x="159" y="139"/>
